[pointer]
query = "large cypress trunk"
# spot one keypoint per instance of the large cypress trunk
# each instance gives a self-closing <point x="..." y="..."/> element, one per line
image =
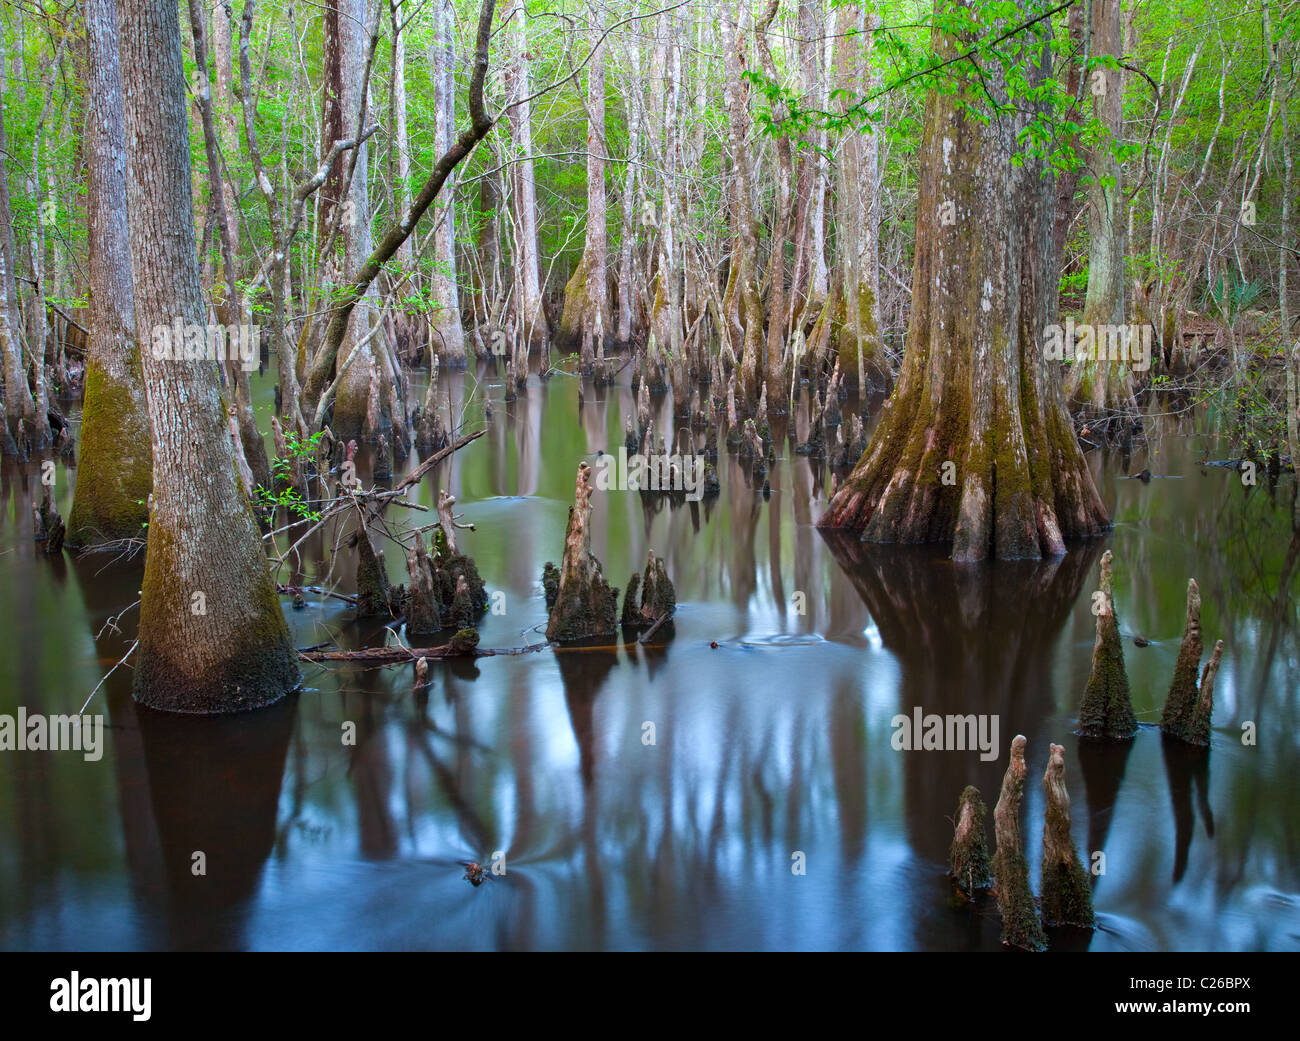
<point x="362" y="407"/>
<point x="1099" y="383"/>
<point x="115" y="470"/>
<point x="212" y="635"/>
<point x="974" y="391"/>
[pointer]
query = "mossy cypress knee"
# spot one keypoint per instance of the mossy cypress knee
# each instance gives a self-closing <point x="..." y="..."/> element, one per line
<point x="1067" y="899"/>
<point x="1020" y="925"/>
<point x="968" y="857"/>
<point x="1107" y="709"/>
<point x="1194" y="726"/>
<point x="1180" y="702"/>
<point x="423" y="614"/>
<point x="585" y="604"/>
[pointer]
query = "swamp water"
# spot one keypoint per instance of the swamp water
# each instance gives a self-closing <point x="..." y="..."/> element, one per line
<point x="778" y="742"/>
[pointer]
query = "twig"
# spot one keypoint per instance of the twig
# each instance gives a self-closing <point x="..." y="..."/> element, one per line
<point x="414" y="476"/>
<point x="645" y="637"/>
<point x="134" y="645"/>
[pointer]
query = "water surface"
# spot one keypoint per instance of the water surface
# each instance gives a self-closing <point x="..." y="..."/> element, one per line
<point x="775" y="743"/>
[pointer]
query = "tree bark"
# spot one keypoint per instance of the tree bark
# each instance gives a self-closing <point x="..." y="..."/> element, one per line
<point x="114" y="474"/>
<point x="587" y="319"/>
<point x="323" y="363"/>
<point x="19" y="406"/>
<point x="448" y="331"/>
<point x="1102" y="385"/>
<point x="359" y="407"/>
<point x="974" y="391"/>
<point x="851" y="320"/>
<point x="743" y="309"/>
<point x="585" y="605"/>
<point x="781" y="238"/>
<point x="1067" y="898"/>
<point x="212" y="635"/>
<point x="532" y="329"/>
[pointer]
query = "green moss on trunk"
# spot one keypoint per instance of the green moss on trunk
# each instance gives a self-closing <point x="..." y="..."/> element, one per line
<point x="177" y="674"/>
<point x="116" y="466"/>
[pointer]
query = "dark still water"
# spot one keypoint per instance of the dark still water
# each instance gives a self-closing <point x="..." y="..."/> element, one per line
<point x="770" y="752"/>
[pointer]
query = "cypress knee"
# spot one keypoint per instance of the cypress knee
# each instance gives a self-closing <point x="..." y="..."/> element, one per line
<point x="1107" y="710"/>
<point x="1067" y="900"/>
<point x="968" y="858"/>
<point x="585" y="604"/>
<point x="1020" y="925"/>
<point x="1180" y="702"/>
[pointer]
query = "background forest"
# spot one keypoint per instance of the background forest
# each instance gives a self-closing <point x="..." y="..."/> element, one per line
<point x="659" y="170"/>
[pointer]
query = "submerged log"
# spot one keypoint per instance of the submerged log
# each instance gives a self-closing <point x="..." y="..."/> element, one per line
<point x="1180" y="702"/>
<point x="968" y="857"/>
<point x="1107" y="709"/>
<point x="1067" y="899"/>
<point x="585" y="604"/>
<point x="650" y="633"/>
<point x="1020" y="925"/>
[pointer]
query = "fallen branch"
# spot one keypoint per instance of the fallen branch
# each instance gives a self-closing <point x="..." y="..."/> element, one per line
<point x="414" y="476"/>
<point x="404" y="655"/>
<point x="104" y="678"/>
<point x="645" y="637"/>
<point x="318" y="590"/>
